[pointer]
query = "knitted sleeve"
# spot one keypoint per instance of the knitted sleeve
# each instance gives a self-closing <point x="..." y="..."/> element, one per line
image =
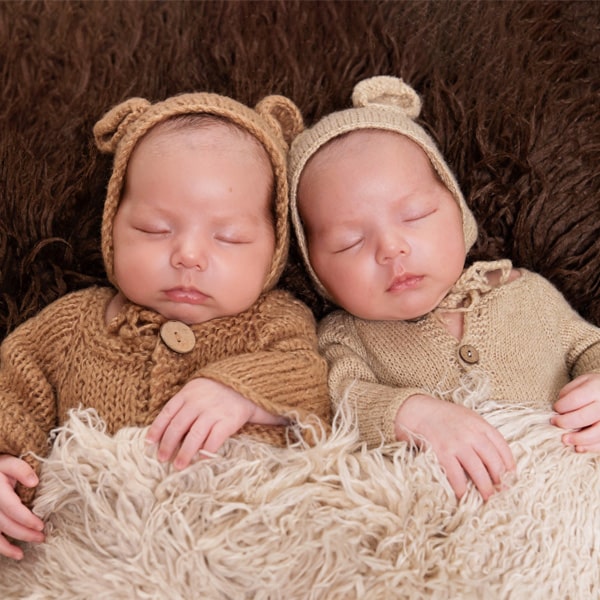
<point x="27" y="399"/>
<point x="579" y="338"/>
<point x="281" y="369"/>
<point x="352" y="381"/>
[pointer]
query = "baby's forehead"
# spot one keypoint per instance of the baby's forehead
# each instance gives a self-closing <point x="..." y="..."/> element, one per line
<point x="202" y="135"/>
<point x="363" y="140"/>
<point x="205" y="130"/>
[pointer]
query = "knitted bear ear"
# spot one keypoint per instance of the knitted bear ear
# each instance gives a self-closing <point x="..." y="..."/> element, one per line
<point x="282" y="114"/>
<point x="109" y="130"/>
<point x="390" y="91"/>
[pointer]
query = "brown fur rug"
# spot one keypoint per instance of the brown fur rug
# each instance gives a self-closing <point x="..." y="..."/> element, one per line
<point x="325" y="522"/>
<point x="511" y="91"/>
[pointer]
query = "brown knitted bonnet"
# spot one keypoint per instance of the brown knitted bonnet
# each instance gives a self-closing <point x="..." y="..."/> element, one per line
<point x="378" y="103"/>
<point x="273" y="122"/>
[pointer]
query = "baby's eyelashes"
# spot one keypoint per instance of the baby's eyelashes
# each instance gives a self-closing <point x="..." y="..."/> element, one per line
<point x="345" y="246"/>
<point x="418" y="216"/>
<point x="152" y="230"/>
<point x="234" y="238"/>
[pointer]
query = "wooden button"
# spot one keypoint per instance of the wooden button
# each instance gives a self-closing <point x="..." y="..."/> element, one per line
<point x="469" y="354"/>
<point x="178" y="336"/>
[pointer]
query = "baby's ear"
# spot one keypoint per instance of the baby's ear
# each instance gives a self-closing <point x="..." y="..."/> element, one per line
<point x="282" y="114"/>
<point x="109" y="130"/>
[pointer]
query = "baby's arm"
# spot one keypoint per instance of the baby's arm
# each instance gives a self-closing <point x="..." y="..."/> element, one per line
<point x="466" y="445"/>
<point x="202" y="416"/>
<point x="578" y="408"/>
<point x="16" y="520"/>
<point x="578" y="403"/>
<point x="282" y="377"/>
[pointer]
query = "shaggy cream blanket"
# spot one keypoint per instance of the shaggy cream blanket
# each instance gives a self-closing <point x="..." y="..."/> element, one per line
<point x="324" y="522"/>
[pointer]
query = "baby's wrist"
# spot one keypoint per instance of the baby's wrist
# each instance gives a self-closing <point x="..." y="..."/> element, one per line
<point x="410" y="416"/>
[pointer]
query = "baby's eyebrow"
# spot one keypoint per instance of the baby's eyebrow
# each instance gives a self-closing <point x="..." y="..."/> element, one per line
<point x="337" y="231"/>
<point x="240" y="220"/>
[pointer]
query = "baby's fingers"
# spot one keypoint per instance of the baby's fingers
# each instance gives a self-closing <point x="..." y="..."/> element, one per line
<point x="487" y="461"/>
<point x="500" y="458"/>
<point x="10" y="550"/>
<point x="15" y="514"/>
<point x="178" y="430"/>
<point x="584" y="416"/>
<point x="456" y="476"/>
<point x="18" y="470"/>
<point x="204" y="437"/>
<point x="18" y="531"/>
<point x="568" y="388"/>
<point x="165" y="416"/>
<point x="193" y="442"/>
<point x="578" y="393"/>
<point x="479" y="474"/>
<point x="584" y="440"/>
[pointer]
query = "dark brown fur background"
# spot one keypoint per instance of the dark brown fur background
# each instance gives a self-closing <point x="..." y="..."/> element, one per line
<point x="511" y="91"/>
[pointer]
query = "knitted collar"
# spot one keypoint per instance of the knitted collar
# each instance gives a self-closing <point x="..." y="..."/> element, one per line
<point x="134" y="321"/>
<point x="472" y="284"/>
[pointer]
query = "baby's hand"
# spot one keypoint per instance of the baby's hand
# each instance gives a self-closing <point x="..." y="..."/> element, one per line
<point x="464" y="442"/>
<point x="578" y="408"/>
<point x="16" y="520"/>
<point x="202" y="416"/>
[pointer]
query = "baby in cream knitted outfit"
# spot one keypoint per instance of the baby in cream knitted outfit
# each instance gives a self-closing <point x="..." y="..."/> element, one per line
<point x="384" y="231"/>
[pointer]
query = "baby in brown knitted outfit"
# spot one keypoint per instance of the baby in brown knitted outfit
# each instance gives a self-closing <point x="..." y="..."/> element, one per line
<point x="193" y="339"/>
<point x="384" y="231"/>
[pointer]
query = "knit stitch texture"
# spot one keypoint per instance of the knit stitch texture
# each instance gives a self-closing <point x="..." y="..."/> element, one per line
<point x="529" y="344"/>
<point x="67" y="357"/>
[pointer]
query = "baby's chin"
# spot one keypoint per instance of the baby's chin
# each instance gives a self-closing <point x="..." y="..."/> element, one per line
<point x="188" y="314"/>
<point x="195" y="315"/>
<point x="387" y="315"/>
<point x="397" y="311"/>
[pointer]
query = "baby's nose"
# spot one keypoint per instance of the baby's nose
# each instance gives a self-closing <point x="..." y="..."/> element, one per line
<point x="190" y="253"/>
<point x="391" y="245"/>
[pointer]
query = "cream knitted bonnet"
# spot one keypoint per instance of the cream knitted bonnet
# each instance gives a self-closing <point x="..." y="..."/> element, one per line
<point x="273" y="122"/>
<point x="378" y="103"/>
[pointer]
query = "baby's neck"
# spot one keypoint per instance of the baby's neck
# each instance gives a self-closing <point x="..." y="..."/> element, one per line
<point x="114" y="307"/>
<point x="453" y="320"/>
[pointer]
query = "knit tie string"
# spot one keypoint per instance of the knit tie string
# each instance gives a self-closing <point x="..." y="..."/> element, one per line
<point x="134" y="321"/>
<point x="472" y="284"/>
